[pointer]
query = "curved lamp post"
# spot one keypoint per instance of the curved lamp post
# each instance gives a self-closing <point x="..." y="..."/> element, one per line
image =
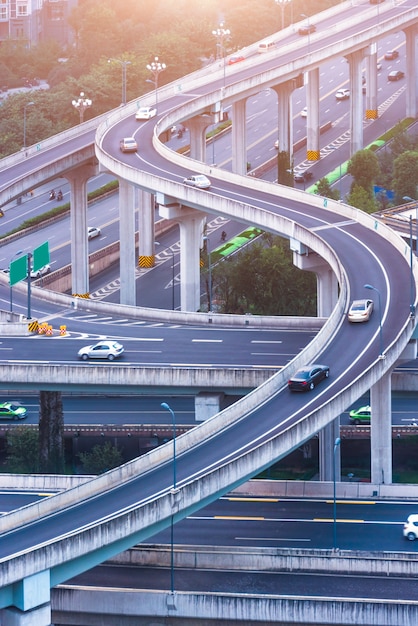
<point x="166" y="406"/>
<point x="124" y="65"/>
<point x="28" y="104"/>
<point x="336" y="446"/>
<point x="155" y="67"/>
<point x="206" y="238"/>
<point x="381" y="355"/>
<point x="309" y="30"/>
<point x="282" y="4"/>
<point x="82" y="104"/>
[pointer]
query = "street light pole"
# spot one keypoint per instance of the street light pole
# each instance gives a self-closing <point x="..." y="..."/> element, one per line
<point x="82" y="104"/>
<point x="336" y="446"/>
<point x="173" y="275"/>
<point x="282" y="4"/>
<point x="28" y="104"/>
<point x="205" y="238"/>
<point x="381" y="355"/>
<point x="221" y="33"/>
<point x="309" y="31"/>
<point x="124" y="65"/>
<point x="164" y="405"/>
<point x="156" y="67"/>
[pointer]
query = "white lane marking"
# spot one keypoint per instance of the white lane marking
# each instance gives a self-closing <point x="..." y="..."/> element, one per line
<point x="207" y="340"/>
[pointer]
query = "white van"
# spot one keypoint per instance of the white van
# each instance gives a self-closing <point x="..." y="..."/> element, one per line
<point x="266" y="46"/>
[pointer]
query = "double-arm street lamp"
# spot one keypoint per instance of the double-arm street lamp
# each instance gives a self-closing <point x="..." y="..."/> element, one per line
<point x="221" y="34"/>
<point x="381" y="355"/>
<point x="155" y="67"/>
<point x="28" y="104"/>
<point x="282" y="4"/>
<point x="82" y="104"/>
<point x="124" y="65"/>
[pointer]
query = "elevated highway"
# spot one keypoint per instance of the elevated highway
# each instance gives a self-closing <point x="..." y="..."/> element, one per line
<point x="46" y="543"/>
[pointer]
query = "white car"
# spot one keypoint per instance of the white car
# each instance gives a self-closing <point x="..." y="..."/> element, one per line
<point x="128" y="144"/>
<point x="342" y="94"/>
<point x="145" y="113"/>
<point x="360" y="311"/>
<point x="42" y="271"/>
<point x="198" y="180"/>
<point x="92" y="232"/>
<point x="109" y="350"/>
<point x="304" y="112"/>
<point x="410" y="528"/>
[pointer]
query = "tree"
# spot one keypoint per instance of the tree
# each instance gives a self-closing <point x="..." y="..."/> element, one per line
<point x="284" y="169"/>
<point x="361" y="199"/>
<point x="405" y="175"/>
<point x="323" y="188"/>
<point x="364" y="168"/>
<point x="102" y="458"/>
<point x="22" y="450"/>
<point x="51" y="432"/>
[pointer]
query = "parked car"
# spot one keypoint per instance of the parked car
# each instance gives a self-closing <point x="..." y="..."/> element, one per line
<point x="360" y="416"/>
<point x="128" y="144"/>
<point x="93" y="231"/>
<point x="109" y="350"/>
<point x="396" y="75"/>
<point x="11" y="411"/>
<point x="342" y="94"/>
<point x="236" y="58"/>
<point x="198" y="180"/>
<point x="410" y="528"/>
<point x="42" y="271"/>
<point x="390" y="55"/>
<point x="307" y="29"/>
<point x="308" y="377"/>
<point x="145" y="113"/>
<point x="360" y="311"/>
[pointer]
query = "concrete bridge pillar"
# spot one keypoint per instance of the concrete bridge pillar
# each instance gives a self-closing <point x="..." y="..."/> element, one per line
<point x="197" y="126"/>
<point x="381" y="431"/>
<point x="146" y="224"/>
<point x="239" y="137"/>
<point x="191" y="224"/>
<point x="31" y="600"/>
<point x="78" y="216"/>
<point x="326" y="281"/>
<point x="411" y="72"/>
<point x="327" y="437"/>
<point x="127" y="243"/>
<point x="355" y="60"/>
<point x="40" y="616"/>
<point x="372" y="111"/>
<point x="285" y="123"/>
<point x="312" y="121"/>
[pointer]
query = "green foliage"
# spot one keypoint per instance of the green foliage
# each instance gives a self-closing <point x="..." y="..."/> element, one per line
<point x="361" y="199"/>
<point x="262" y="280"/>
<point x="102" y="458"/>
<point x="364" y="168"/>
<point x="22" y="450"/>
<point x="405" y="175"/>
<point x="284" y="169"/>
<point x="51" y="432"/>
<point x="324" y="189"/>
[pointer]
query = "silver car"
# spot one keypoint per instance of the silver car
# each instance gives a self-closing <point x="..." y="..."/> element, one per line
<point x="109" y="350"/>
<point x="198" y="180"/>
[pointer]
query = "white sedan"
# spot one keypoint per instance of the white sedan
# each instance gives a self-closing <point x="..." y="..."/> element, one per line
<point x="42" y="271"/>
<point x="109" y="350"/>
<point x="145" y="113"/>
<point x="198" y="180"/>
<point x="93" y="231"/>
<point x="360" y="311"/>
<point x="342" y="94"/>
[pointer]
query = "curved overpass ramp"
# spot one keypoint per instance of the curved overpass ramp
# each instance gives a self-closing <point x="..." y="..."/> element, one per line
<point x="48" y="542"/>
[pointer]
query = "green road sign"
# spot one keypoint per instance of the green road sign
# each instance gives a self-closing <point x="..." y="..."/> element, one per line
<point x="18" y="270"/>
<point x="40" y="256"/>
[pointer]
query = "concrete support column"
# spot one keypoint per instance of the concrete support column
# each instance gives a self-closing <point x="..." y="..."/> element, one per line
<point x="207" y="405"/>
<point x="191" y="224"/>
<point x="326" y="281"/>
<point x="197" y="127"/>
<point x="411" y="72"/>
<point x="312" y="121"/>
<point x="284" y="94"/>
<point x="372" y="111"/>
<point x="356" y="101"/>
<point x="78" y="216"/>
<point x="239" y="137"/>
<point x="381" y="431"/>
<point x="41" y="616"/>
<point x="327" y="437"/>
<point x="127" y="243"/>
<point x="146" y="222"/>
